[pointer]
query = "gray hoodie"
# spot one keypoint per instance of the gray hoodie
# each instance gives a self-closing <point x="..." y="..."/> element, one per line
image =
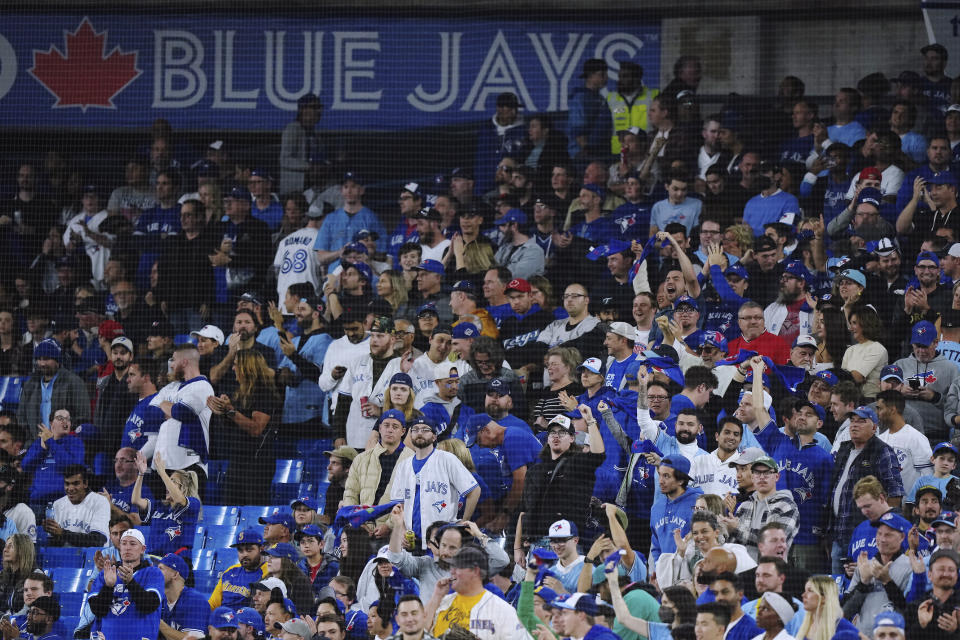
<point x="938" y="375"/>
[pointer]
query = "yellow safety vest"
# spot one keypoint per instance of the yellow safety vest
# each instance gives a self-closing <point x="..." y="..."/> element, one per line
<point x="625" y="117"/>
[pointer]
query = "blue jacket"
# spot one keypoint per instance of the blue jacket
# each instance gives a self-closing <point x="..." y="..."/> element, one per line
<point x="47" y="465"/>
<point x="588" y="116"/>
<point x="722" y="316"/>
<point x="806" y="473"/>
<point x="668" y="515"/>
<point x="615" y="456"/>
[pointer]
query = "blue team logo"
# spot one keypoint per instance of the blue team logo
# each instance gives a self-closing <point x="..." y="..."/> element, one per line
<point x="440" y="505"/>
<point x="626" y="222"/>
<point x="173" y="532"/>
<point x="133" y="434"/>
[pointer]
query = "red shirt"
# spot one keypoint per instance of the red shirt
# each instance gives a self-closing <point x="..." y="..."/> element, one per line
<point x="766" y="344"/>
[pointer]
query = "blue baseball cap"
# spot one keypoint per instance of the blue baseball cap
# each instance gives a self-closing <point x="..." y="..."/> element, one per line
<point x="424" y="420"/>
<point x="464" y="285"/>
<point x="47" y="348"/>
<point x="430" y="307"/>
<point x="249" y="536"/>
<point x="713" y="339"/>
<point x="260" y="172"/>
<point x="584" y="602"/>
<point x="828" y="377"/>
<point x="309" y="531"/>
<point x="820" y="411"/>
<point x="737" y="271"/>
<point x="176" y="563"/>
<point x="239" y="192"/>
<point x="948" y="518"/>
<point x="633" y="371"/>
<point x="401" y="378"/>
<point x="596" y="189"/>
<point x="870" y="195"/>
<point x="500" y="387"/>
<point x="396" y="414"/>
<point x="283" y="550"/>
<point x="512" y="215"/>
<point x="889" y="619"/>
<point x="223" y="618"/>
<point x="474" y="423"/>
<point x="677" y="463"/>
<point x="465" y="330"/>
<point x="948" y="446"/>
<point x="924" y="333"/>
<point x="433" y="266"/>
<point x="855" y="276"/>
<point x="867" y="413"/>
<point x="307" y="501"/>
<point x="363" y="269"/>
<point x="250" y="617"/>
<point x="796" y="269"/>
<point x="927" y="255"/>
<point x="895" y="521"/>
<point x="687" y="300"/>
<point x="548" y="594"/>
<point x="352" y="176"/>
<point x="285" y="519"/>
<point x="363" y="234"/>
<point x="356" y="247"/>
<point x="891" y="371"/>
<point x="943" y="177"/>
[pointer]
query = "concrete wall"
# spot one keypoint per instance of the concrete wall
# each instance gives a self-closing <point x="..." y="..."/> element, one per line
<point x="750" y="55"/>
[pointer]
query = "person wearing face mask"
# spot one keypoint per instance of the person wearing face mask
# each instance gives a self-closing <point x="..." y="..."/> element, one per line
<point x="677" y="607"/>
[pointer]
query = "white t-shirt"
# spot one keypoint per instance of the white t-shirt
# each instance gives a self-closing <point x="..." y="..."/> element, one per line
<point x="93" y="514"/>
<point x="712" y="475"/>
<point x="193" y="394"/>
<point x="913" y="453"/>
<point x="25" y="519"/>
<point x="296" y="262"/>
<point x="434" y="253"/>
<point x="98" y="254"/>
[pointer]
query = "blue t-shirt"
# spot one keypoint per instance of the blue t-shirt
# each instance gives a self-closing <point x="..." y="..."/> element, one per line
<point x="171" y="528"/>
<point x="190" y="613"/>
<point x="272" y="214"/>
<point x="339" y="227"/>
<point x="797" y="149"/>
<point x="519" y="449"/>
<point x="599" y="230"/>
<point x="120" y="496"/>
<point x="950" y="350"/>
<point x="849" y="134"/>
<point x="929" y="478"/>
<point x="124" y="621"/>
<point x="762" y="210"/>
<point x="616" y="370"/>
<point x="143" y="420"/>
<point x="686" y="213"/>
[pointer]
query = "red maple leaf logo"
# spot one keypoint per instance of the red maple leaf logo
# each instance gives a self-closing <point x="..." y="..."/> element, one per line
<point x="86" y="76"/>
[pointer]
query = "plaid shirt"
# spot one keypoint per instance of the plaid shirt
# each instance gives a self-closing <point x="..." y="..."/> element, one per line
<point x="876" y="459"/>
<point x="756" y="512"/>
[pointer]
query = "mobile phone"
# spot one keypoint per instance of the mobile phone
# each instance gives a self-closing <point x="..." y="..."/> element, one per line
<point x="914" y="383"/>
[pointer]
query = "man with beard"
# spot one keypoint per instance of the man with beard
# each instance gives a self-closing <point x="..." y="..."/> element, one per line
<point x="431" y="483"/>
<point x="365" y="382"/>
<point x="519" y="252"/>
<point x="928" y="376"/>
<point x="300" y="369"/>
<point x="42" y="615"/>
<point x="791" y="314"/>
<point x="448" y="539"/>
<point x="524" y="325"/>
<point x="114" y="400"/>
<point x="233" y="589"/>
<point x="350" y="345"/>
<point x="185" y="610"/>
<point x="337" y="470"/>
<point x="432" y="242"/>
<point x="498" y="403"/>
<point x="712" y="472"/>
<point x="728" y="589"/>
<point x="184" y="438"/>
<point x="244" y="336"/>
<point x="941" y="189"/>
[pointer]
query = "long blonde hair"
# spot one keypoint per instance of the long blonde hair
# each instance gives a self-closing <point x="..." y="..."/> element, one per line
<point x="252" y="374"/>
<point x="399" y="288"/>
<point x="458" y="447"/>
<point x="26" y="555"/>
<point x="477" y="257"/>
<point x="823" y="621"/>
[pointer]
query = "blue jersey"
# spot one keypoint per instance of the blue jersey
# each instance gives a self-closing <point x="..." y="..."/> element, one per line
<point x="145" y="419"/>
<point x="600" y="230"/>
<point x="807" y="472"/>
<point x="120" y="496"/>
<point x="124" y="621"/>
<point x="864" y="538"/>
<point x="500" y="312"/>
<point x="797" y="149"/>
<point x="632" y="221"/>
<point x="190" y="612"/>
<point x="171" y="528"/>
<point x="950" y="350"/>
<point x="849" y="134"/>
<point x="519" y="449"/>
<point x="304" y="400"/>
<point x="158" y="220"/>
<point x="272" y="214"/>
<point x="339" y="227"/>
<point x="402" y="234"/>
<point x="616" y="370"/>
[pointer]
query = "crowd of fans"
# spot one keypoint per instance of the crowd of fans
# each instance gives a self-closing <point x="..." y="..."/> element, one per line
<point x="648" y="373"/>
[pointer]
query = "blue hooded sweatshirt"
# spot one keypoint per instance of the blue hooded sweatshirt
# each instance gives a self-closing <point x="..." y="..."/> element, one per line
<point x="668" y="515"/>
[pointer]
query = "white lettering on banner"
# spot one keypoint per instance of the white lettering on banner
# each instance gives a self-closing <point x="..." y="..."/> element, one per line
<point x="346" y="69"/>
<point x="277" y="93"/>
<point x="559" y="69"/>
<point x="224" y="95"/>
<point x="178" y="56"/>
<point x="614" y="43"/>
<point x="8" y="66"/>
<point x="449" y="77"/>
<point x="498" y="73"/>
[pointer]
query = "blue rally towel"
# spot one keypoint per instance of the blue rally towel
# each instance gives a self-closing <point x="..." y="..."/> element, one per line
<point x="355" y="515"/>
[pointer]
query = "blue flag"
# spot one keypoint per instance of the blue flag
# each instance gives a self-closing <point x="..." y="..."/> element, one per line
<point x="355" y="515"/>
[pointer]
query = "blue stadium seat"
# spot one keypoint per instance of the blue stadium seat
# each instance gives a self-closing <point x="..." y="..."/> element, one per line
<point x="220" y="536"/>
<point x="103" y="464"/>
<point x="250" y="515"/>
<point x="67" y="579"/>
<point x="285" y="493"/>
<point x="205" y="581"/>
<point x="322" y="494"/>
<point x="88" y="555"/>
<point x="69" y="622"/>
<point x="53" y="557"/>
<point x="10" y="387"/>
<point x="288" y="472"/>
<point x="203" y="559"/>
<point x="225" y="558"/>
<point x="70" y="603"/>
<point x="315" y="463"/>
<point x="199" y="535"/>
<point x="219" y="515"/>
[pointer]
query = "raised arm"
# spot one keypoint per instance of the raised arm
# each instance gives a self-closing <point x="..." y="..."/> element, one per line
<point x="624" y="617"/>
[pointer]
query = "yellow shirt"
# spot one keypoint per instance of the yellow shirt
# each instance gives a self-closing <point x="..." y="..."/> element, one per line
<point x="457" y="613"/>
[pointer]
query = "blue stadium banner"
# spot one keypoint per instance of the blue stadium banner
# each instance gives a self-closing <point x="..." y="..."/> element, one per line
<point x="229" y="72"/>
<point x="941" y="18"/>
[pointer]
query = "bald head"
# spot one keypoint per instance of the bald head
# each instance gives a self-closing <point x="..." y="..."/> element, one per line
<point x="719" y="560"/>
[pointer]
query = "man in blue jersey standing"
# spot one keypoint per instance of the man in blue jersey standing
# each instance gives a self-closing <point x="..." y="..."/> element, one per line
<point x="129" y="595"/>
<point x="185" y="610"/>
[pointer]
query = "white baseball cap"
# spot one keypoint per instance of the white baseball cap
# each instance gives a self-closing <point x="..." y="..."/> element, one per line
<point x="211" y="332"/>
<point x="124" y="342"/>
<point x="445" y="369"/>
<point x="623" y="329"/>
<point x="135" y="534"/>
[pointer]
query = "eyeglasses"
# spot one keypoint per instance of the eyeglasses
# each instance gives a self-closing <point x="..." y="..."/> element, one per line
<point x="762" y="472"/>
<point x="406" y="197"/>
<point x="421" y="430"/>
<point x="503" y="167"/>
<point x="568" y="296"/>
<point x="560" y="540"/>
<point x="751" y="318"/>
<point x="658" y="397"/>
<point x="557" y="433"/>
<point x="64" y="418"/>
